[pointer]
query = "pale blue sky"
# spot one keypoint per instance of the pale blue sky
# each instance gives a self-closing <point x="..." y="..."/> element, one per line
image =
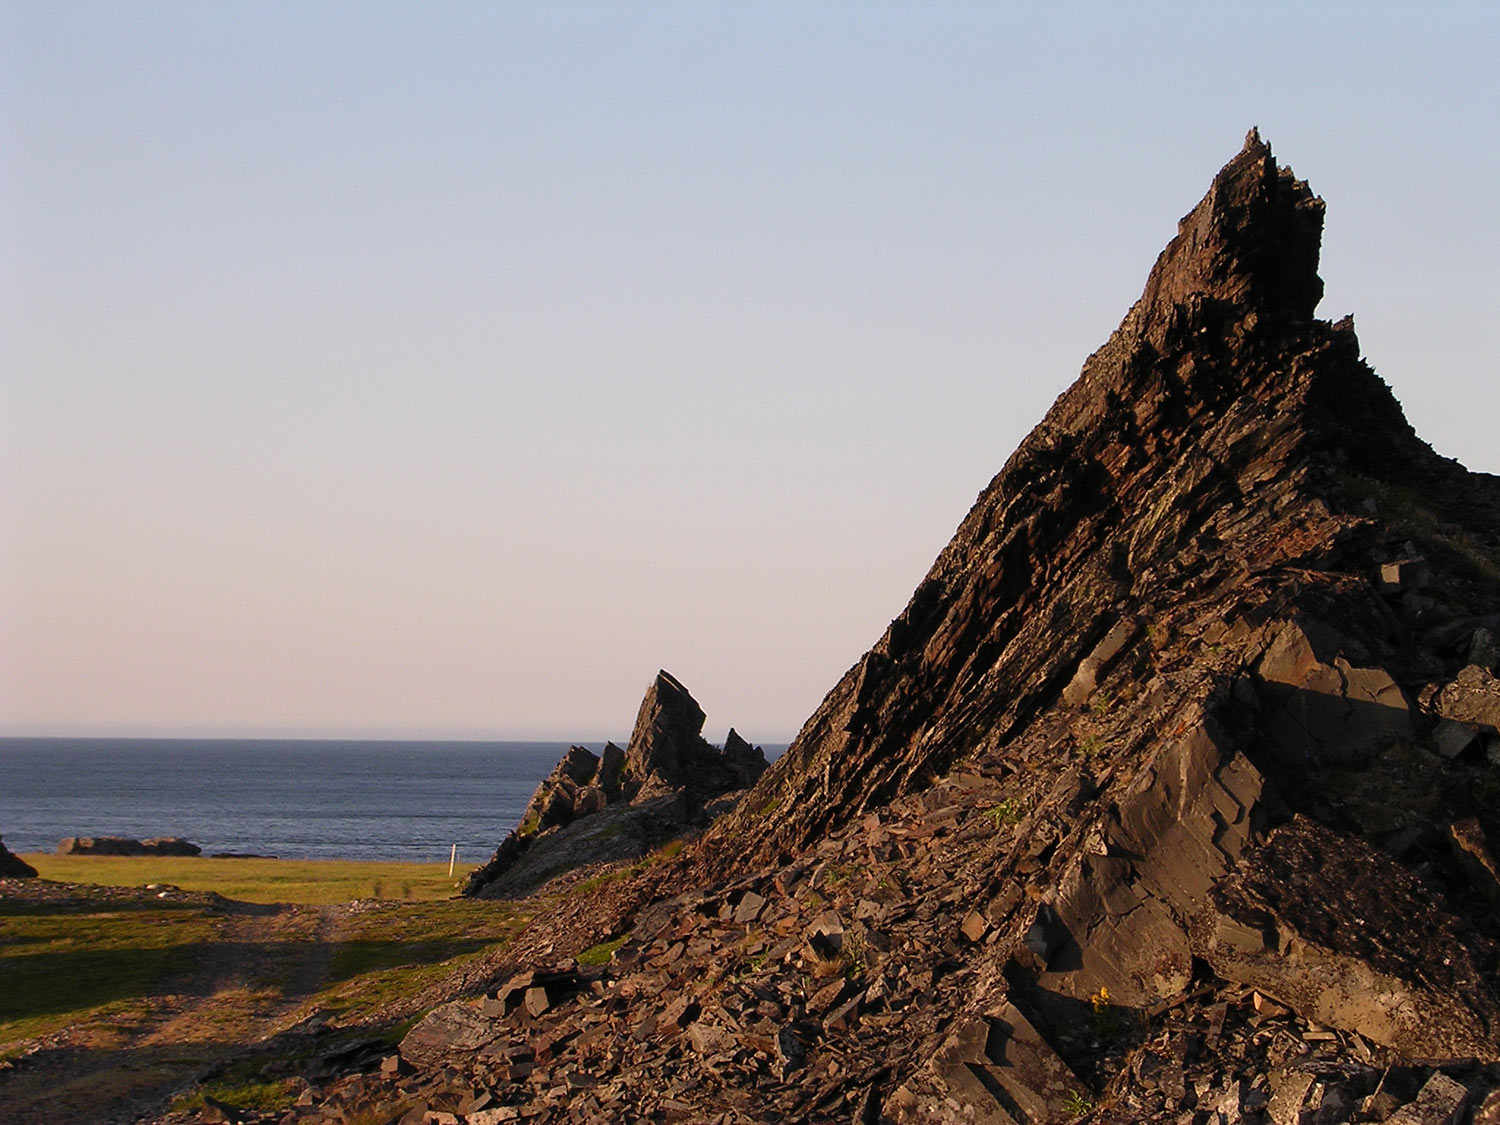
<point x="412" y="369"/>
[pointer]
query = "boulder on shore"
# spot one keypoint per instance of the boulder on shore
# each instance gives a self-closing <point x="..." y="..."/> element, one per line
<point x="13" y="866"/>
<point x="124" y="845"/>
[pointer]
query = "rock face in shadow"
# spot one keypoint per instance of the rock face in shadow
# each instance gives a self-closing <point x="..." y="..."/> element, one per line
<point x="13" y="866"/>
<point x="619" y="804"/>
<point x="1171" y="796"/>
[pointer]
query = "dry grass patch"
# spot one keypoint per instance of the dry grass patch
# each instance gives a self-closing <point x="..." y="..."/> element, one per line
<point x="312" y="881"/>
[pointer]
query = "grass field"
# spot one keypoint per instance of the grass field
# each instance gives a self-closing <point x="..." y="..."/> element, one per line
<point x="312" y="881"/>
<point x="149" y="990"/>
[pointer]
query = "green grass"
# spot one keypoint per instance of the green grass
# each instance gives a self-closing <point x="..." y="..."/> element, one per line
<point x="187" y="986"/>
<point x="594" y="882"/>
<point x="102" y="962"/>
<point x="397" y="949"/>
<point x="262" y="1097"/>
<point x="600" y="954"/>
<point x="314" y="881"/>
<point x="397" y="935"/>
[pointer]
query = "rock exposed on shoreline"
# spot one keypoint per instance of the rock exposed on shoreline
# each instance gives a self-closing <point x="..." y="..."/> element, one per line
<point x="126" y="846"/>
<point x="13" y="866"/>
<point x="617" y="805"/>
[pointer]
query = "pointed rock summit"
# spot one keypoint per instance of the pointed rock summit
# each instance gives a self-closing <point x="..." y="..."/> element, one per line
<point x="1203" y="444"/>
<point x="667" y="749"/>
<point x="1251" y="244"/>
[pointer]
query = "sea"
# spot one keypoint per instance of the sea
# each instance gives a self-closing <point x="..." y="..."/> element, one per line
<point x="410" y="801"/>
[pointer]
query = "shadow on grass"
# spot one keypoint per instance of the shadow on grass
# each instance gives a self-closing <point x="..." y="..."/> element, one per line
<point x="355" y="958"/>
<point x="130" y="1083"/>
<point x="11" y="907"/>
<point x="57" y="982"/>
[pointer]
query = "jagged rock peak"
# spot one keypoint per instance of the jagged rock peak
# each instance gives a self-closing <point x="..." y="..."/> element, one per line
<point x="668" y="730"/>
<point x="668" y="751"/>
<point x="1252" y="242"/>
<point x="1242" y="270"/>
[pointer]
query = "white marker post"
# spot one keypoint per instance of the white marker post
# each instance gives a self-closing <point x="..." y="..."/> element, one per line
<point x="452" y="859"/>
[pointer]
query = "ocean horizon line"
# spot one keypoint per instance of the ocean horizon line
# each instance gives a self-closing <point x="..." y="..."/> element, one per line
<point x="402" y="740"/>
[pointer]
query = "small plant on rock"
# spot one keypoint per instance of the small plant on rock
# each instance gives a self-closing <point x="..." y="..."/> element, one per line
<point x="1106" y="1016"/>
<point x="602" y="953"/>
<point x="837" y="874"/>
<point x="856" y="956"/>
<point x="1077" y="1104"/>
<point x="1007" y="812"/>
<point x="827" y="963"/>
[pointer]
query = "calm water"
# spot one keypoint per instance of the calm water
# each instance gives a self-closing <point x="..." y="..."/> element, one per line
<point x="346" y="799"/>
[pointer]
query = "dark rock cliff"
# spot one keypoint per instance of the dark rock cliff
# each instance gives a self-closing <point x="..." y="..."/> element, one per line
<point x="1217" y="439"/>
<point x="1170" y="796"/>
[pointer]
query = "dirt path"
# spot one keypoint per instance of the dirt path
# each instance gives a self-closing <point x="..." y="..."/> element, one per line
<point x="256" y="978"/>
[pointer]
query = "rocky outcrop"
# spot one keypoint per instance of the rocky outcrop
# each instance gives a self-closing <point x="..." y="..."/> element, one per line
<point x="124" y="845"/>
<point x="582" y="783"/>
<point x="667" y="749"/>
<point x="13" y="866"/>
<point x="1169" y="796"/>
<point x="1177" y="466"/>
<point x="664" y="783"/>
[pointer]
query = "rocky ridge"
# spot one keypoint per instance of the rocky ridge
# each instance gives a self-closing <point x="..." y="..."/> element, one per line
<point x="1168" y="798"/>
<point x="600" y="808"/>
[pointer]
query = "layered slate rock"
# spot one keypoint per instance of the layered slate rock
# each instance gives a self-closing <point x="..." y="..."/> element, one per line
<point x="13" y="866"/>
<point x="1178" y="465"/>
<point x="667" y="749"/>
<point x="1169" y="797"/>
<point x="616" y="805"/>
<point x="1217" y="577"/>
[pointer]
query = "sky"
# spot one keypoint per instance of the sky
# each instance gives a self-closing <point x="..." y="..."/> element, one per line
<point x="409" y="370"/>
